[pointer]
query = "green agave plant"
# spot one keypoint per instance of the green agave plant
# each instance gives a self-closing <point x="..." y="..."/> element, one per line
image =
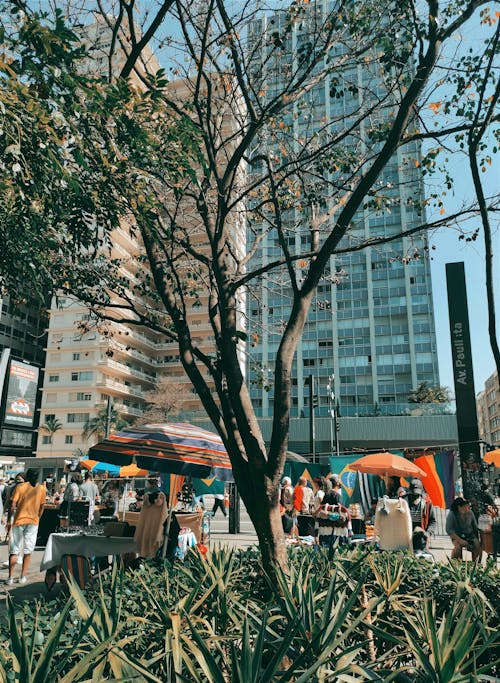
<point x="347" y="619"/>
<point x="446" y="649"/>
<point x="106" y="634"/>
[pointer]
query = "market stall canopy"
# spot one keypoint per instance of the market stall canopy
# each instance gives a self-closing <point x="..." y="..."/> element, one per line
<point x="175" y="448"/>
<point x="113" y="470"/>
<point x="387" y="464"/>
<point x="493" y="457"/>
<point x="291" y="456"/>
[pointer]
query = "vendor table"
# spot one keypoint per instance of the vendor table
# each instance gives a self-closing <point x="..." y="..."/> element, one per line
<point x="85" y="545"/>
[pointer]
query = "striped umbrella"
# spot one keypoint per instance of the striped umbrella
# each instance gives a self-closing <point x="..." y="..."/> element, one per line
<point x="113" y="470"/>
<point x="176" y="448"/>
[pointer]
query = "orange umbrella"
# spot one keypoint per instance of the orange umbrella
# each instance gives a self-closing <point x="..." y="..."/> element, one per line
<point x="115" y="471"/>
<point x="493" y="457"/>
<point x="386" y="463"/>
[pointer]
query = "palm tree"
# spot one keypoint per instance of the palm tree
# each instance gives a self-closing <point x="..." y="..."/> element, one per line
<point x="96" y="426"/>
<point x="51" y="425"/>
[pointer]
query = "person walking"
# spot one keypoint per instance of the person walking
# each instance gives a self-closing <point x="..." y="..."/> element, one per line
<point x="219" y="504"/>
<point x="27" y="503"/>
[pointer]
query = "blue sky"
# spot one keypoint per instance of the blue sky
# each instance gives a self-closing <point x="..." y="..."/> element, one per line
<point x="450" y="249"/>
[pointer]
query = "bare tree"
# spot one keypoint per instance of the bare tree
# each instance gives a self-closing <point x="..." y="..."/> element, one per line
<point x="167" y="400"/>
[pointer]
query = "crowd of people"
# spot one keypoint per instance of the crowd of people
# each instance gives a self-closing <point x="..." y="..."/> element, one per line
<point x="313" y="512"/>
<point x="321" y="514"/>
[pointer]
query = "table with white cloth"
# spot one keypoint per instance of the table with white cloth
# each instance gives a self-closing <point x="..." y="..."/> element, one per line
<point x="86" y="545"/>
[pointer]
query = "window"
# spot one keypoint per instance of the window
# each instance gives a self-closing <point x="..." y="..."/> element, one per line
<point x="81" y="376"/>
<point x="82" y="396"/>
<point x="50" y="416"/>
<point x="53" y="378"/>
<point x="76" y="356"/>
<point x="68" y="438"/>
<point x="77" y="417"/>
<point x="47" y="439"/>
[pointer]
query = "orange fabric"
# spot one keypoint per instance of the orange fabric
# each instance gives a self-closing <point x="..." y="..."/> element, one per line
<point x="493" y="457"/>
<point x="298" y="497"/>
<point x="175" y="487"/>
<point x="125" y="471"/>
<point x="433" y="486"/>
<point x="27" y="500"/>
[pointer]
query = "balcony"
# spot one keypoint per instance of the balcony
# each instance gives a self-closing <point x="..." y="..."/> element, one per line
<point x="120" y="388"/>
<point x="126" y="370"/>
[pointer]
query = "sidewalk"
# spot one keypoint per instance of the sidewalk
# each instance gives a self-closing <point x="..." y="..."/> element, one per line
<point x="35" y="586"/>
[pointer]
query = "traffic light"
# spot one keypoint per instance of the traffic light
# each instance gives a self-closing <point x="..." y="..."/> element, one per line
<point x="315" y="401"/>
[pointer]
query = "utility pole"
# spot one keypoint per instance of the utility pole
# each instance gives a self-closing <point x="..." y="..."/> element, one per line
<point x="313" y="401"/>
<point x="334" y="425"/>
<point x="108" y="417"/>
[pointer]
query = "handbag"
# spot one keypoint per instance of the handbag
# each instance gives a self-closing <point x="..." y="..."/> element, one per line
<point x="336" y="514"/>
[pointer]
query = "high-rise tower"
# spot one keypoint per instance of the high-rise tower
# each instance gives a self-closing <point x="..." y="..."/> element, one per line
<point x="371" y="324"/>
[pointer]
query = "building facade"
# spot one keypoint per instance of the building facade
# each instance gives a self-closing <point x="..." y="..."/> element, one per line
<point x="370" y="332"/>
<point x="22" y="340"/>
<point x="488" y="411"/>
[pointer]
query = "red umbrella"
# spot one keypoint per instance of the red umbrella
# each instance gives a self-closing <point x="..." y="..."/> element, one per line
<point x="387" y="464"/>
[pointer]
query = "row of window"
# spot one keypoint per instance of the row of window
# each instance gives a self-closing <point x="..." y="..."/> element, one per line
<point x="82" y="376"/>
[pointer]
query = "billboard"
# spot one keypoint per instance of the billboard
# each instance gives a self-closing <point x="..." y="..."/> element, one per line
<point x="21" y="394"/>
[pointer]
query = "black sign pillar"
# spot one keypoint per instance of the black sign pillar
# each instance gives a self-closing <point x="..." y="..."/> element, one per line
<point x="468" y="433"/>
<point x="234" y="509"/>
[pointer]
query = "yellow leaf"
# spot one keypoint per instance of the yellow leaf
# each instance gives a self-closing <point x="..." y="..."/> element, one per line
<point x="435" y="106"/>
<point x="443" y="211"/>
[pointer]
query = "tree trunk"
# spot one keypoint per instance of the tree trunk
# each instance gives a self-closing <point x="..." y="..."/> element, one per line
<point x="261" y="497"/>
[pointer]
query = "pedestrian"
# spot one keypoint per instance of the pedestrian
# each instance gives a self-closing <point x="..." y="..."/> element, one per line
<point x="303" y="497"/>
<point x="286" y="505"/>
<point x="461" y="526"/>
<point x="421" y="510"/>
<point x="9" y="492"/>
<point x="49" y="483"/>
<point x="72" y="492"/>
<point x="89" y="490"/>
<point x="27" y="503"/>
<point x="219" y="504"/>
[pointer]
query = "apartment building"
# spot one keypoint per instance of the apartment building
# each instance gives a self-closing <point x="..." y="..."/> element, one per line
<point x="89" y="362"/>
<point x="488" y="411"/>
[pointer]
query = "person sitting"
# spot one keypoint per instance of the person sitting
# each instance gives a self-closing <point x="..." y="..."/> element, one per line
<point x="461" y="526"/>
<point x="420" y="543"/>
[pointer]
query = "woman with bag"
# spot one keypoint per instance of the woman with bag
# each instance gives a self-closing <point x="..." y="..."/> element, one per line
<point x="333" y="521"/>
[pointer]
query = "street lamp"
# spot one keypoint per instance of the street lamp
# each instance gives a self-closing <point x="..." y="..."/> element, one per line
<point x="334" y="426"/>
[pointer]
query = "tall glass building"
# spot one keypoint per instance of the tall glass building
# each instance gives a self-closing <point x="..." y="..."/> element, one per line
<point x="371" y="324"/>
